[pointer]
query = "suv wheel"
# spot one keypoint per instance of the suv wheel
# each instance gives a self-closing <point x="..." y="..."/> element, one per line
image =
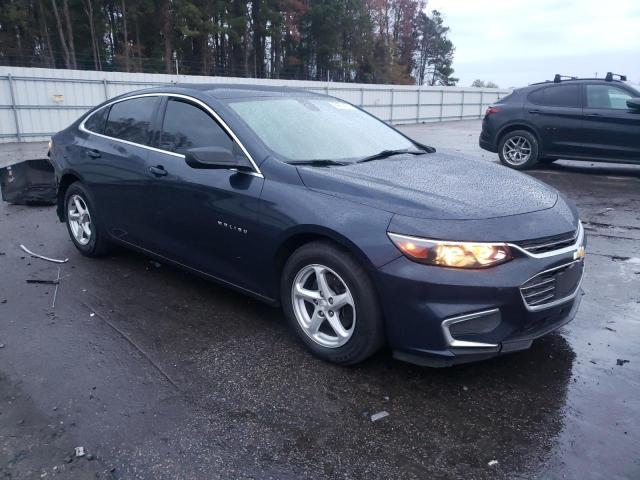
<point x="518" y="149"/>
<point x="330" y="303"/>
<point x="82" y="222"/>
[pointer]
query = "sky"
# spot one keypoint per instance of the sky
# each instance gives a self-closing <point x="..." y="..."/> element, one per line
<point x="517" y="42"/>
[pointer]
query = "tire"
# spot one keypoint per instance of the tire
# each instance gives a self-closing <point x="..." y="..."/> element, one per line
<point x="518" y="149"/>
<point x="346" y="280"/>
<point x="78" y="210"/>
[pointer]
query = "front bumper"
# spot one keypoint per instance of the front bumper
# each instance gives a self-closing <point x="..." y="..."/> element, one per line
<point x="421" y="302"/>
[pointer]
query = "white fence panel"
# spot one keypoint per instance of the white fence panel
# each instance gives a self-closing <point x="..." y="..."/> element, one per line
<point x="37" y="102"/>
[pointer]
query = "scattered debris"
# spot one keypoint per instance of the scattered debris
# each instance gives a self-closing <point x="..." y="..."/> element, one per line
<point x="610" y="329"/>
<point x="593" y="361"/>
<point x="92" y="314"/>
<point x="465" y="388"/>
<point x="26" y="250"/>
<point x="55" y="292"/>
<point x="80" y="452"/>
<point x="621" y="361"/>
<point x="68" y="459"/>
<point x="378" y="416"/>
<point x="4" y="300"/>
<point x="2" y="345"/>
<point x="493" y="463"/>
<point x="31" y="182"/>
<point x="43" y="281"/>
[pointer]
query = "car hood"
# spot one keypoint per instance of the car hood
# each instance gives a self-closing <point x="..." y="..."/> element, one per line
<point x="436" y="186"/>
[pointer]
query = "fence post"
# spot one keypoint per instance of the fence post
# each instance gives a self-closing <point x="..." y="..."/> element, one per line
<point x="418" y="108"/>
<point x="441" y="103"/>
<point x="14" y="108"/>
<point x="361" y="97"/>
<point x="462" y="106"/>
<point x="392" y="102"/>
<point x="481" y="102"/>
<point x="106" y="90"/>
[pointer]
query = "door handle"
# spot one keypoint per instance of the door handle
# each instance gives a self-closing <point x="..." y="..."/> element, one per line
<point x="158" y="171"/>
<point x="534" y="111"/>
<point x="94" y="153"/>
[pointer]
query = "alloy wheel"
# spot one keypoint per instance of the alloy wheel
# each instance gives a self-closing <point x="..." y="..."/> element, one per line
<point x="79" y="219"/>
<point x="517" y="150"/>
<point x="323" y="306"/>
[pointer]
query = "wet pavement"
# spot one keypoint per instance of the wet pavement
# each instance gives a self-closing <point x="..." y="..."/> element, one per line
<point x="159" y="374"/>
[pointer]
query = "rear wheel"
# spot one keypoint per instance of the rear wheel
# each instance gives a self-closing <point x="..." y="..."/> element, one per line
<point x="330" y="303"/>
<point x="518" y="149"/>
<point x="82" y="222"/>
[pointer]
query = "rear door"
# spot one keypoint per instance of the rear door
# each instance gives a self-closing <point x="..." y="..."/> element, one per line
<point x="203" y="218"/>
<point x="611" y="129"/>
<point x="557" y="112"/>
<point x="119" y="176"/>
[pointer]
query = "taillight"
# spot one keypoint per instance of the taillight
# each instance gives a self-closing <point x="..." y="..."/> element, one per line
<point x="491" y="110"/>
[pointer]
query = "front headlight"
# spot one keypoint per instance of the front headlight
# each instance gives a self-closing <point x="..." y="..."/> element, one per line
<point x="451" y="254"/>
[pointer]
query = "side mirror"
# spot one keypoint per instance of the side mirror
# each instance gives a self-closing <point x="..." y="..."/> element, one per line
<point x="215" y="157"/>
<point x="634" y="103"/>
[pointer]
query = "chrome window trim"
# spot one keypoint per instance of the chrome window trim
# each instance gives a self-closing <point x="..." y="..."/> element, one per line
<point x="552" y="253"/>
<point x="200" y="103"/>
<point x="452" y="342"/>
<point x="560" y="301"/>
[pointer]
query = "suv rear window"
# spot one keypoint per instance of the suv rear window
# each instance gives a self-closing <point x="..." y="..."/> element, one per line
<point x="557" y="96"/>
<point x="130" y="119"/>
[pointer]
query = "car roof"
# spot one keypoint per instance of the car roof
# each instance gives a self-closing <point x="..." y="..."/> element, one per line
<point x="228" y="90"/>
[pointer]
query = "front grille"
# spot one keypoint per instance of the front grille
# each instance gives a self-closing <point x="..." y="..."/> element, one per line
<point x="552" y="285"/>
<point x="548" y="244"/>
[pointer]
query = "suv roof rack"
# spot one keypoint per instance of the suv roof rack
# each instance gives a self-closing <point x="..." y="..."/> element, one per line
<point x="558" y="78"/>
<point x="610" y="76"/>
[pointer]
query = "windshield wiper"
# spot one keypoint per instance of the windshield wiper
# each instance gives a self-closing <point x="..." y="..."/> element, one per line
<point x="318" y="163"/>
<point x="389" y="153"/>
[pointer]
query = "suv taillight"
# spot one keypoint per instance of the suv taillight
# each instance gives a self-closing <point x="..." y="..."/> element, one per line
<point x="491" y="110"/>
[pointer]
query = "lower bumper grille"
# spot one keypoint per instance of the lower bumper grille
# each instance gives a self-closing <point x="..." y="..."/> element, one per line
<point x="552" y="286"/>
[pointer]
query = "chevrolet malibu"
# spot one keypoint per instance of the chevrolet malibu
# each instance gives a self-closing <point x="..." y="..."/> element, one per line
<point x="363" y="236"/>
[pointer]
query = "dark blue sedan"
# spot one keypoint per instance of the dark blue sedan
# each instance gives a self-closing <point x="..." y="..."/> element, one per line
<point x="363" y="236"/>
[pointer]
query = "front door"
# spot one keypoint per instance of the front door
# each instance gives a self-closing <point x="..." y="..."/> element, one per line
<point x="203" y="218"/>
<point x="611" y="129"/>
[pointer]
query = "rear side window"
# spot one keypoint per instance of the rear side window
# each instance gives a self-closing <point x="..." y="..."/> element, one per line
<point x="606" y="96"/>
<point x="95" y="123"/>
<point x="557" y="96"/>
<point x="187" y="126"/>
<point x="130" y="119"/>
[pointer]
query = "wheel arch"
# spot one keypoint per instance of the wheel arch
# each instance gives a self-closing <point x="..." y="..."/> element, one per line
<point x="66" y="180"/>
<point x="303" y="234"/>
<point x="519" y="126"/>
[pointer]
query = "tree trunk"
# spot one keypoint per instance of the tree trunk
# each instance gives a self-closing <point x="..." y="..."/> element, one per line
<point x="72" y="48"/>
<point x="88" y="9"/>
<point x="63" y="42"/>
<point x="125" y="36"/>
<point x="45" y="34"/>
<point x="167" y="33"/>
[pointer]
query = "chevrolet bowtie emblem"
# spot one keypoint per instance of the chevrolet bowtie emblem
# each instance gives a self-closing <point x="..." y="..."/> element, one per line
<point x="579" y="253"/>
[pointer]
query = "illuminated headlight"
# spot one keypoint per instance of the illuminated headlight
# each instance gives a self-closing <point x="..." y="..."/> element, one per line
<point x="452" y="254"/>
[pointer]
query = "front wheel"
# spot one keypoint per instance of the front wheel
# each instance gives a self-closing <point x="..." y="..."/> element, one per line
<point x="518" y="149"/>
<point x="331" y="304"/>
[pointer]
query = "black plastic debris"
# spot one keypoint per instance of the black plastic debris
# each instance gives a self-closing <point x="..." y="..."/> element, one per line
<point x="621" y="361"/>
<point x="31" y="182"/>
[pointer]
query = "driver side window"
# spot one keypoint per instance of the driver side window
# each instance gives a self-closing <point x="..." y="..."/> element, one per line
<point x="605" y="96"/>
<point x="186" y="126"/>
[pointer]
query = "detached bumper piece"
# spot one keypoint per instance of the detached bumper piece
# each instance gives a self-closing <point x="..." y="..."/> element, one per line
<point x="28" y="183"/>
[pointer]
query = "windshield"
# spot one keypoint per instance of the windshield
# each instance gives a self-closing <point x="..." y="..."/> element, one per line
<point x="307" y="128"/>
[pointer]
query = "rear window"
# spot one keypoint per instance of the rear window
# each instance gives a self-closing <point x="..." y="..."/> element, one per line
<point x="95" y="123"/>
<point x="557" y="96"/>
<point x="130" y="119"/>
